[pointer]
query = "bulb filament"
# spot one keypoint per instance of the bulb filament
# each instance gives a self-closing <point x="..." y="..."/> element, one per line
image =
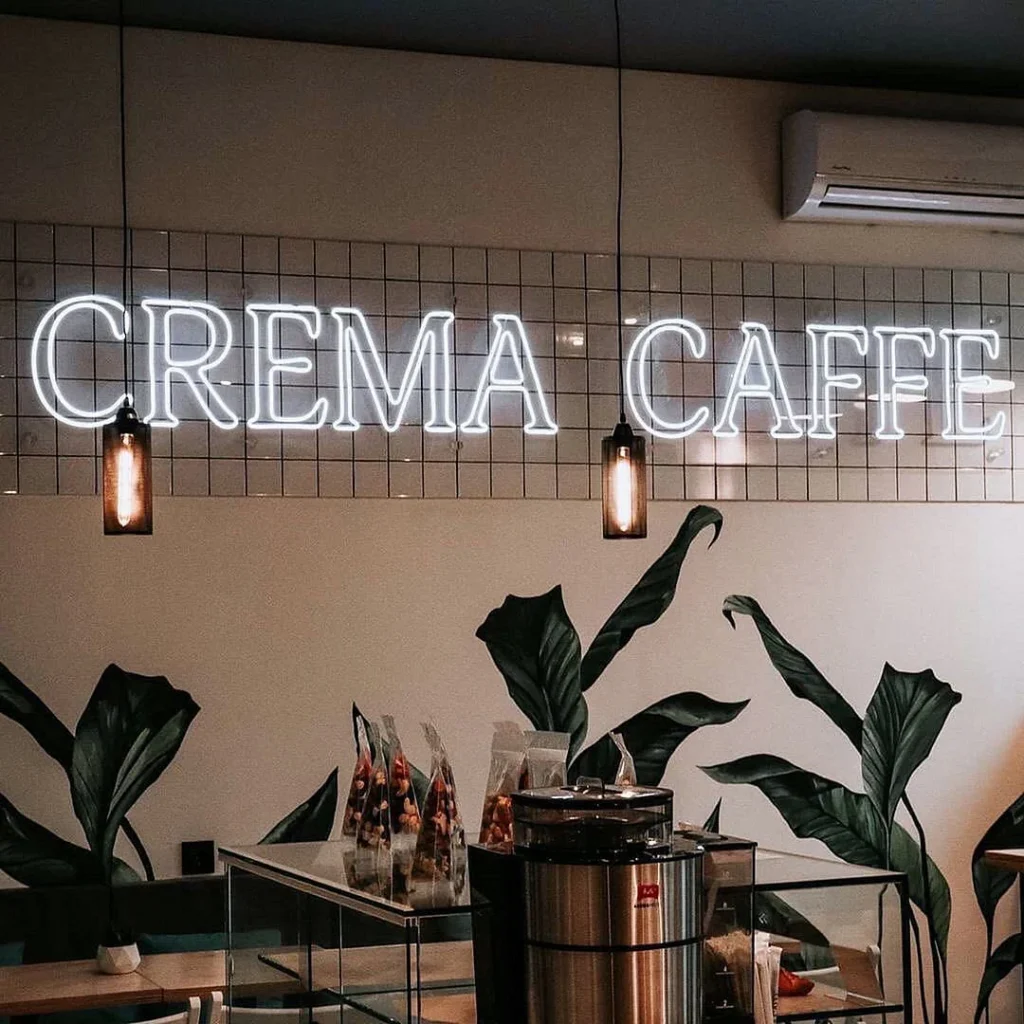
<point x="126" y="480"/>
<point x="622" y="486"/>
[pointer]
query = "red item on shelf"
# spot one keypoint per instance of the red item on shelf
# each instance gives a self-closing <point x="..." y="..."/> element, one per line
<point x="791" y="984"/>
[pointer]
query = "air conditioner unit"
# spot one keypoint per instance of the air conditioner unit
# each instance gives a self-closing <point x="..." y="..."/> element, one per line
<point x="846" y="167"/>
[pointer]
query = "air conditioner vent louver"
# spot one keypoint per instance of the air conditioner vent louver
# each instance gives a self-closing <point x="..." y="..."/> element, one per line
<point x="843" y="167"/>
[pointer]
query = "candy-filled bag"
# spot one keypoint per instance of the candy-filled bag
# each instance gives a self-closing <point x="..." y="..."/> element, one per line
<point x="439" y="867"/>
<point x="373" y="859"/>
<point x="626" y="774"/>
<point x="357" y="790"/>
<point x="403" y="808"/>
<point x="546" y="756"/>
<point x="508" y="753"/>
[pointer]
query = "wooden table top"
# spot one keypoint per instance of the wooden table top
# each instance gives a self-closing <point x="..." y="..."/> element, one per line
<point x="70" y="985"/>
<point x="1008" y="860"/>
<point x="173" y="977"/>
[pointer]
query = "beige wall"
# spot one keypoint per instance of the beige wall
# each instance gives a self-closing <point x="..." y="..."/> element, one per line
<point x="283" y="138"/>
<point x="276" y="614"/>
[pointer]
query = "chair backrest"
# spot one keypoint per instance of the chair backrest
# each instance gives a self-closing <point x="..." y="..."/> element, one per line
<point x="189" y="1016"/>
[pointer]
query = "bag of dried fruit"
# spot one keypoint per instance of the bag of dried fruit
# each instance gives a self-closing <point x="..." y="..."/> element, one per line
<point x="508" y="752"/>
<point x="404" y="810"/>
<point x="373" y="857"/>
<point x="439" y="865"/>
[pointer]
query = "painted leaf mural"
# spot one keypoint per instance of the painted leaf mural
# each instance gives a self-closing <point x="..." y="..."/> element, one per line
<point x="650" y="598"/>
<point x="902" y="723"/>
<point x="129" y="732"/>
<point x="536" y="648"/>
<point x="653" y="735"/>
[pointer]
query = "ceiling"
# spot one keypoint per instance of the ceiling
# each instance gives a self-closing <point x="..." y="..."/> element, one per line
<point x="968" y="46"/>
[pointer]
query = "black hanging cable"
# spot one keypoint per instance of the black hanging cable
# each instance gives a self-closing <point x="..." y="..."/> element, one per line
<point x="124" y="200"/>
<point x="618" y="213"/>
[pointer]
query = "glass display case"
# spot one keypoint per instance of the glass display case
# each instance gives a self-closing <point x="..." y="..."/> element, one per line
<point x="844" y="929"/>
<point x="304" y="945"/>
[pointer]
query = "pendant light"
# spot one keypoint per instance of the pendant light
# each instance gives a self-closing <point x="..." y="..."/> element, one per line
<point x="623" y="453"/>
<point x="127" y="447"/>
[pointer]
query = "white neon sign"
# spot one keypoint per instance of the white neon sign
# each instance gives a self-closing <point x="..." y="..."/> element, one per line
<point x="893" y="386"/>
<point x="44" y="359"/>
<point x="758" y="353"/>
<point x="166" y="365"/>
<point x="959" y="384"/>
<point x="326" y="395"/>
<point x="433" y="345"/>
<point x="268" y="367"/>
<point x="637" y="370"/>
<point x="824" y="382"/>
<point x="510" y="341"/>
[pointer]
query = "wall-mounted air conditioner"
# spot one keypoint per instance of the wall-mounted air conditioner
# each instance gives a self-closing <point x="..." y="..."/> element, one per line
<point x="846" y="167"/>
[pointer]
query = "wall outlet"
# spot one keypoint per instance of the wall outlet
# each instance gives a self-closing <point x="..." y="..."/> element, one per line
<point x="197" y="857"/>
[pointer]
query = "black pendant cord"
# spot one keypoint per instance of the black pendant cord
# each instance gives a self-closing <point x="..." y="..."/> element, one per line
<point x="618" y="213"/>
<point x="125" y="298"/>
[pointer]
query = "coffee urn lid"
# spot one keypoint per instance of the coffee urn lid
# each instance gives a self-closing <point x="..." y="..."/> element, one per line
<point x="594" y="797"/>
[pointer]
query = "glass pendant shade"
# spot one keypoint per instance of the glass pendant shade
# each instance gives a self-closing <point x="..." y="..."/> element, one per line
<point x="127" y="475"/>
<point x="624" y="484"/>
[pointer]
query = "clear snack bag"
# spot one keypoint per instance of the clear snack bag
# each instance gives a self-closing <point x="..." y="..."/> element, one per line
<point x="508" y="754"/>
<point x="439" y="866"/>
<point x="626" y="774"/>
<point x="360" y="785"/>
<point x="546" y="756"/>
<point x="373" y="858"/>
<point x="403" y="808"/>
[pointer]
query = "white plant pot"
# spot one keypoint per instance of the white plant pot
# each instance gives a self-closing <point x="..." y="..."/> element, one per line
<point x="118" y="959"/>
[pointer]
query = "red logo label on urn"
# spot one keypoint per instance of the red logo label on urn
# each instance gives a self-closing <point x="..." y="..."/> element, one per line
<point x="647" y="894"/>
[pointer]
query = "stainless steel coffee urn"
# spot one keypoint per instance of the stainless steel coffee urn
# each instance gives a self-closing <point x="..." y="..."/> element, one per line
<point x="610" y="926"/>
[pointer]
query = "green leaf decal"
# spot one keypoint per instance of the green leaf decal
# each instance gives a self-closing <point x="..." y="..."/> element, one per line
<point x="929" y="891"/>
<point x="903" y="721"/>
<point x="653" y="735"/>
<point x="21" y="705"/>
<point x="1007" y="956"/>
<point x="814" y="807"/>
<point x="797" y="670"/>
<point x="537" y="650"/>
<point x="33" y="855"/>
<point x="129" y="732"/>
<point x="774" y="915"/>
<point x="818" y="808"/>
<point x="991" y="884"/>
<point x="714" y="818"/>
<point x="649" y="599"/>
<point x="311" y="821"/>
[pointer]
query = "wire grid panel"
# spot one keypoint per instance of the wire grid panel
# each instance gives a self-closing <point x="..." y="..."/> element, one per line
<point x="567" y="304"/>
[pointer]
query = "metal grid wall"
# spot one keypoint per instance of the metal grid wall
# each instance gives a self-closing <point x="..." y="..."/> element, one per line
<point x="567" y="303"/>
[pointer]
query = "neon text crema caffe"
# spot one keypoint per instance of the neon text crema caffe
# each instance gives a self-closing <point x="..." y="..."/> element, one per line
<point x="509" y="367"/>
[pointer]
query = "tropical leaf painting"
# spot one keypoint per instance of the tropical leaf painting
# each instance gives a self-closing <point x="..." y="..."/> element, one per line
<point x="536" y="648"/>
<point x="129" y="732"/>
<point x="904" y="719"/>
<point x="991" y="884"/>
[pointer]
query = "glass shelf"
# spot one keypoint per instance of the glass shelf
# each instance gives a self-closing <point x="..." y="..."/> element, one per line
<point x="843" y="927"/>
<point x="778" y="870"/>
<point x="320" y="869"/>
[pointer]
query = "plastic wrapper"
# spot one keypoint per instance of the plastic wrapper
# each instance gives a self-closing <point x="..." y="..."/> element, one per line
<point x="626" y="774"/>
<point x="360" y="784"/>
<point x="373" y="858"/>
<point x="508" y="758"/>
<point x="546" y="756"/>
<point x="403" y="809"/>
<point x="439" y="865"/>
